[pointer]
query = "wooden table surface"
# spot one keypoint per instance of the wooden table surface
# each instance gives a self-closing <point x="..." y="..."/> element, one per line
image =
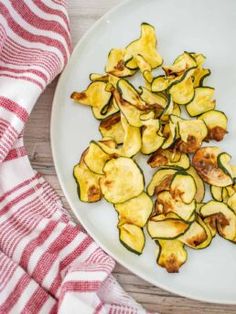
<point x="83" y="13"/>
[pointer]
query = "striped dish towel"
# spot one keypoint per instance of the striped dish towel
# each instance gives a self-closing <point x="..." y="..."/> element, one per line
<point x="47" y="264"/>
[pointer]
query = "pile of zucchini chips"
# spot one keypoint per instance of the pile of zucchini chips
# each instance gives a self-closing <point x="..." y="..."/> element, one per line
<point x="148" y="120"/>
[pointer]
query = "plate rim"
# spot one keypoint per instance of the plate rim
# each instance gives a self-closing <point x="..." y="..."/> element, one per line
<point x="116" y="257"/>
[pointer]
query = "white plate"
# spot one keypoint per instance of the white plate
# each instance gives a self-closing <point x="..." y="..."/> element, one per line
<point x="208" y="26"/>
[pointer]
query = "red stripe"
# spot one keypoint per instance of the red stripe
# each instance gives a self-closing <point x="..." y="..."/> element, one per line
<point x="19" y="198"/>
<point x="36" y="21"/>
<point x="16" y="153"/>
<point x="19" y="186"/>
<point x="49" y="58"/>
<point x="98" y="308"/>
<point x="24" y="71"/>
<point x="81" y="286"/>
<point x="67" y="261"/>
<point x="23" y="78"/>
<point x="51" y="11"/>
<point x="45" y="262"/>
<point x="14" y="296"/>
<point x="36" y="301"/>
<point x="29" y="249"/>
<point x="30" y="37"/>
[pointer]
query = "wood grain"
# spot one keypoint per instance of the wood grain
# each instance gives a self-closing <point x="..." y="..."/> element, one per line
<point x="83" y="13"/>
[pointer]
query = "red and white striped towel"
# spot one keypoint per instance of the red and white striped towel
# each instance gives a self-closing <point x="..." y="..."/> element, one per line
<point x="47" y="264"/>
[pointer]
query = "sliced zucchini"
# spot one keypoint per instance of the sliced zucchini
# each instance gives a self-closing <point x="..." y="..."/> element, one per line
<point x="202" y="101"/>
<point x="172" y="255"/>
<point x="198" y="236"/>
<point x="112" y="127"/>
<point x="176" y="110"/>
<point x="113" y="80"/>
<point x="130" y="94"/>
<point x="216" y="122"/>
<point x="169" y="204"/>
<point x="232" y="202"/>
<point x="132" y="237"/>
<point x="160" y="83"/>
<point x="199" y="75"/>
<point x="136" y="210"/>
<point x="169" y="228"/>
<point x="223" y="160"/>
<point x="210" y="222"/>
<point x="145" y="45"/>
<point x="199" y="58"/>
<point x="183" y="92"/>
<point x="200" y="192"/>
<point x="216" y="193"/>
<point x="131" y="113"/>
<point x="157" y="178"/>
<point x="206" y="164"/>
<point x="192" y="133"/>
<point x="151" y="140"/>
<point x="96" y="158"/>
<point x="145" y="68"/>
<point x="123" y="180"/>
<point x="87" y="182"/>
<point x="183" y="187"/>
<point x="157" y="101"/>
<point x="165" y="116"/>
<point x="182" y="63"/>
<point x="116" y="63"/>
<point x="95" y="95"/>
<point x="194" y="236"/>
<point x="132" y="139"/>
<point x="101" y="113"/>
<point x="225" y="218"/>
<point x="166" y="158"/>
<point x="98" y="77"/>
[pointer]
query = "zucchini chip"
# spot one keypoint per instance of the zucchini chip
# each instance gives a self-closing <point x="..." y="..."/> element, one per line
<point x="132" y="237"/>
<point x="182" y="93"/>
<point x="205" y="161"/>
<point x="160" y="83"/>
<point x="87" y="182"/>
<point x="151" y="140"/>
<point x="95" y="95"/>
<point x="200" y="193"/>
<point x="156" y="101"/>
<point x="202" y="101"/>
<point x="217" y="193"/>
<point x="159" y="176"/>
<point x="112" y="127"/>
<point x="96" y="158"/>
<point x="146" y="46"/>
<point x="232" y="202"/>
<point x="216" y="122"/>
<point x="223" y="160"/>
<point x="123" y="180"/>
<point x="116" y="63"/>
<point x="130" y="95"/>
<point x="198" y="236"/>
<point x="136" y="210"/>
<point x="166" y="203"/>
<point x="98" y="77"/>
<point x="131" y="113"/>
<point x="225" y="218"/>
<point x="199" y="75"/>
<point x="181" y="64"/>
<point x="101" y="113"/>
<point x="172" y="255"/>
<point x="144" y="67"/>
<point x="168" y="228"/>
<point x="167" y="158"/>
<point x="183" y="187"/>
<point x="192" y="133"/>
<point x="132" y="139"/>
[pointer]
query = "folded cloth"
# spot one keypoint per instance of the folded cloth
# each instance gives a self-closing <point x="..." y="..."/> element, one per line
<point x="47" y="263"/>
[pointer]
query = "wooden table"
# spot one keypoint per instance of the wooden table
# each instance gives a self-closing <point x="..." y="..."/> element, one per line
<point x="83" y="13"/>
